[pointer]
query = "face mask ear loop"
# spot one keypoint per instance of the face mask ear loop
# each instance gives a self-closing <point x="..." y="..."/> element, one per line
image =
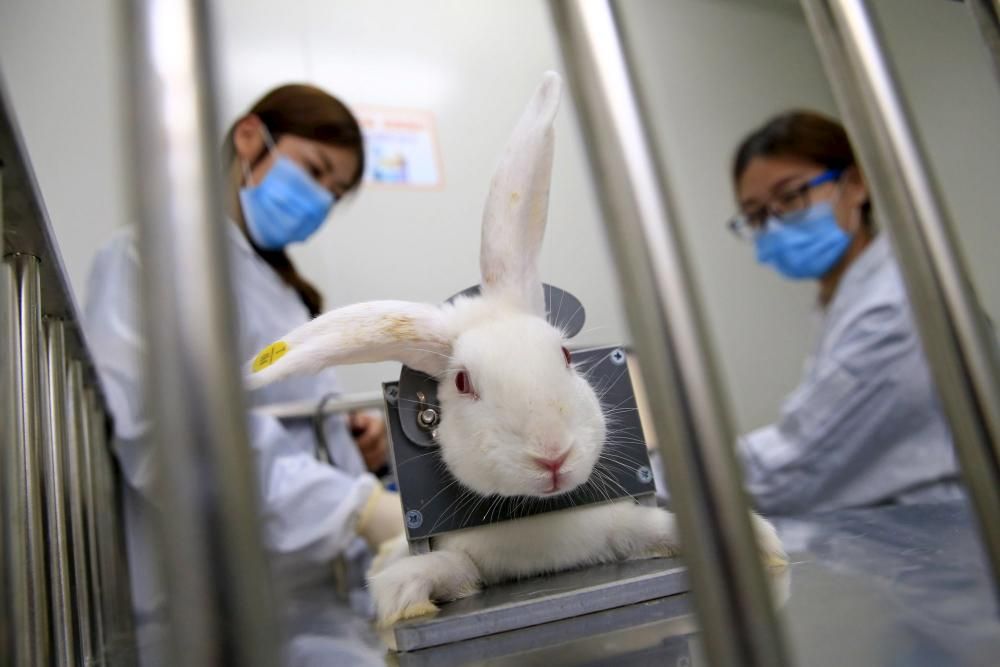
<point x="247" y="176"/>
<point x="836" y="200"/>
<point x="268" y="140"/>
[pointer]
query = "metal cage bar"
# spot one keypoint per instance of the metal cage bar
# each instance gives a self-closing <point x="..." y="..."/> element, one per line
<point x="89" y="420"/>
<point x="219" y="601"/>
<point x="57" y="496"/>
<point x="960" y="348"/>
<point x="9" y="598"/>
<point x="32" y="639"/>
<point x="36" y="286"/>
<point x="116" y="602"/>
<point x="82" y="539"/>
<point x="692" y="426"/>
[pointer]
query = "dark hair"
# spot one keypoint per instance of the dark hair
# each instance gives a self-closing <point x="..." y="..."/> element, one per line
<point x="806" y="135"/>
<point x="308" y="112"/>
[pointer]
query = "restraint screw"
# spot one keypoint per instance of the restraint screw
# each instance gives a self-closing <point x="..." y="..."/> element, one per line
<point x="644" y="474"/>
<point x="414" y="519"/>
<point x="428" y="418"/>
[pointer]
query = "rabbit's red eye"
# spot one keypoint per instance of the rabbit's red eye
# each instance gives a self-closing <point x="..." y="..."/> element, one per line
<point x="566" y="356"/>
<point x="464" y="384"/>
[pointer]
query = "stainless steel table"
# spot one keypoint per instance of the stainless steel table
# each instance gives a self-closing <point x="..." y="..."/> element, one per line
<point x="902" y="586"/>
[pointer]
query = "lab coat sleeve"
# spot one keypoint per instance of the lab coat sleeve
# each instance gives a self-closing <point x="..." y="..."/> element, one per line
<point x="111" y="325"/>
<point x="309" y="509"/>
<point x="829" y="425"/>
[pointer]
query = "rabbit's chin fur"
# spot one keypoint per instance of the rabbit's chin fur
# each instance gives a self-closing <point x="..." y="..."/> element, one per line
<point x="405" y="586"/>
<point x="526" y="405"/>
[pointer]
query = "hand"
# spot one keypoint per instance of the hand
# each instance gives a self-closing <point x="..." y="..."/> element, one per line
<point x="381" y="519"/>
<point x="368" y="431"/>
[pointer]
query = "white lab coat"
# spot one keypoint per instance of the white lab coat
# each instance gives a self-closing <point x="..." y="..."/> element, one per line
<point x="309" y="508"/>
<point x="864" y="426"/>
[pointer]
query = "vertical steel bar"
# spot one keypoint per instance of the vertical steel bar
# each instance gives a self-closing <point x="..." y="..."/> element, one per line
<point x="219" y="600"/>
<point x="12" y="597"/>
<point x="57" y="496"/>
<point x="692" y="424"/>
<point x="92" y="511"/>
<point x="105" y="511"/>
<point x="987" y="16"/>
<point x="15" y="544"/>
<point x="120" y="595"/>
<point x="34" y="643"/>
<point x="959" y="345"/>
<point x="83" y="538"/>
<point x="118" y="591"/>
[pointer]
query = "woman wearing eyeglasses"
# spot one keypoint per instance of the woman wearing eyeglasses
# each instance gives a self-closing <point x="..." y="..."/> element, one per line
<point x="864" y="426"/>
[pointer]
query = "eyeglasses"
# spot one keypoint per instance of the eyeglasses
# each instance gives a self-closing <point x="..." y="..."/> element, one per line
<point x="784" y="207"/>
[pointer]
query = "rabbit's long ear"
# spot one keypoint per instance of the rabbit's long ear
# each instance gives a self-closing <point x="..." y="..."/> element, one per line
<point x="415" y="334"/>
<point x="518" y="203"/>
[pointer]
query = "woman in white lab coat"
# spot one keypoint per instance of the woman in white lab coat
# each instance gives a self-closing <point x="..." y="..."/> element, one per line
<point x="288" y="160"/>
<point x="864" y="426"/>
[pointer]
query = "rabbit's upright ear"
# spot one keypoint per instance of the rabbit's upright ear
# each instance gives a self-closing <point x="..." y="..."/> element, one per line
<point x="518" y="203"/>
<point x="416" y="334"/>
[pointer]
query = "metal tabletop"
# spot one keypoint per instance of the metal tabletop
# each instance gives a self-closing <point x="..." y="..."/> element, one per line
<point x="896" y="586"/>
<point x="902" y="585"/>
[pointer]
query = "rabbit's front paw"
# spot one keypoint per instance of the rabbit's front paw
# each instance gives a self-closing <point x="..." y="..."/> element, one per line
<point x="771" y="550"/>
<point x="408" y="587"/>
<point x="398" y="595"/>
<point x="664" y="531"/>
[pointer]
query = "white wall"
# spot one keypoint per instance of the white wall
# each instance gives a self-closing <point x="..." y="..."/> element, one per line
<point x="946" y="75"/>
<point x="713" y="70"/>
<point x="473" y="65"/>
<point x="60" y="61"/>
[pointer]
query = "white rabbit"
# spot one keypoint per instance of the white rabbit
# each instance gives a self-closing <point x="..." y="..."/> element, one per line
<point x="534" y="428"/>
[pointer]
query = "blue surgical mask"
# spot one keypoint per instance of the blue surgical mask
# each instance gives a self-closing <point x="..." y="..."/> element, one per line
<point x="807" y="247"/>
<point x="288" y="205"/>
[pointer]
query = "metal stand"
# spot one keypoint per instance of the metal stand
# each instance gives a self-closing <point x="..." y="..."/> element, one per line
<point x="431" y="499"/>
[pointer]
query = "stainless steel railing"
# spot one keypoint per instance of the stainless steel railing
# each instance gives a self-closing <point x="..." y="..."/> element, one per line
<point x="50" y="553"/>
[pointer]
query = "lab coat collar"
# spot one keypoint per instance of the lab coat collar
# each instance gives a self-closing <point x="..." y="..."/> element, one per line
<point x="858" y="274"/>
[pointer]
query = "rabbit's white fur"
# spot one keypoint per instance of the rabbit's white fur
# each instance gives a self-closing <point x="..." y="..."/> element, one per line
<point x="406" y="586"/>
<point x="525" y="403"/>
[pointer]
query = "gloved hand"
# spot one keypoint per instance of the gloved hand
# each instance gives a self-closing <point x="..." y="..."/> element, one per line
<point x="381" y="519"/>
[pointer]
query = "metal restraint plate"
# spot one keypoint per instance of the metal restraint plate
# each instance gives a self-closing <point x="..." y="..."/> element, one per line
<point x="435" y="505"/>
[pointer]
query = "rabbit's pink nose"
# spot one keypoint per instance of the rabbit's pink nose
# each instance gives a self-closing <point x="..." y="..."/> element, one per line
<point x="551" y="464"/>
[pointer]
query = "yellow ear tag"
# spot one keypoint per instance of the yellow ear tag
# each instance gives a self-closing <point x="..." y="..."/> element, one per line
<point x="269" y="355"/>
